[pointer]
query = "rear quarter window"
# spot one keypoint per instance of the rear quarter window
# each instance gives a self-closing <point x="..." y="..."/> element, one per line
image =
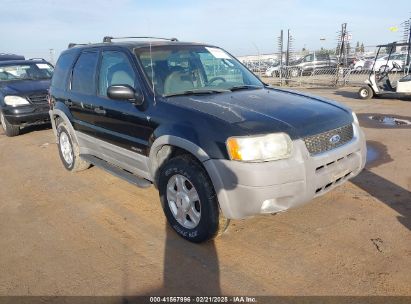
<point x="62" y="70"/>
<point x="322" y="57"/>
<point x="83" y="80"/>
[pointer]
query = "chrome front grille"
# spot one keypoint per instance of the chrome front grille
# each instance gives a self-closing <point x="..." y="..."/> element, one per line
<point x="323" y="142"/>
<point x="38" y="98"/>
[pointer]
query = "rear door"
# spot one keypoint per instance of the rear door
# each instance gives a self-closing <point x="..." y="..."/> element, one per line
<point x="82" y="89"/>
<point x="321" y="60"/>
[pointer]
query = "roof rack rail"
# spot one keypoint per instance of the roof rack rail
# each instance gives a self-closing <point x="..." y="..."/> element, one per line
<point x="37" y="58"/>
<point x="109" y="38"/>
<point x="72" y="44"/>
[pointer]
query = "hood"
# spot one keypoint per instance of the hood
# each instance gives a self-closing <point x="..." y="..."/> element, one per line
<point x="270" y="110"/>
<point x="23" y="87"/>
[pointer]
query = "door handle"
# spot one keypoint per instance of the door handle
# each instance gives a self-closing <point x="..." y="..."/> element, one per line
<point x="99" y="110"/>
<point x="68" y="102"/>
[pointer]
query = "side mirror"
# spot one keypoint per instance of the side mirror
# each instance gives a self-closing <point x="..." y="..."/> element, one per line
<point x="125" y="92"/>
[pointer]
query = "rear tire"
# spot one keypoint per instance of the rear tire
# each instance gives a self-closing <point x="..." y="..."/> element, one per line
<point x="9" y="129"/>
<point x="68" y="149"/>
<point x="365" y="93"/>
<point x="189" y="201"/>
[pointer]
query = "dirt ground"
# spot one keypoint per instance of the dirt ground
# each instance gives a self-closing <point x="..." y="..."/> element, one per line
<point x="91" y="233"/>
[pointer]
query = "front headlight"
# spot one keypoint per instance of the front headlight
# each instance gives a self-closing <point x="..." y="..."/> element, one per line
<point x="354" y="116"/>
<point x="259" y="148"/>
<point x="15" y="101"/>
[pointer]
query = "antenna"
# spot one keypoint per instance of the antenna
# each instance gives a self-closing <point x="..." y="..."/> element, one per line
<point x="152" y="75"/>
<point x="109" y="38"/>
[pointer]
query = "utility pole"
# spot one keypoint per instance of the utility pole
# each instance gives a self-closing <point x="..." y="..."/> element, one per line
<point x="408" y="31"/>
<point x="287" y="55"/>
<point x="52" y="56"/>
<point x="343" y="37"/>
<point x="409" y="45"/>
<point x="406" y="38"/>
<point x="259" y="59"/>
<point x="280" y="49"/>
<point x="341" y="51"/>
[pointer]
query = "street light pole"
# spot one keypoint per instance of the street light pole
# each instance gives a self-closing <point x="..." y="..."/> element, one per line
<point x="51" y="56"/>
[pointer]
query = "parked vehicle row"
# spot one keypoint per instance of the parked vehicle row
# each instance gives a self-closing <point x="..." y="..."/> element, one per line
<point x="5" y="57"/>
<point x="24" y="88"/>
<point x="379" y="82"/>
<point x="321" y="62"/>
<point x="386" y="63"/>
<point x="303" y="66"/>
<point x="190" y="119"/>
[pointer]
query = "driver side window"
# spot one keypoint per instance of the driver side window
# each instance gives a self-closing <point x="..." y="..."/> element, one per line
<point x="115" y="69"/>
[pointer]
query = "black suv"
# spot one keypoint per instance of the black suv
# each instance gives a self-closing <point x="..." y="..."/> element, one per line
<point x="24" y="88"/>
<point x="192" y="120"/>
<point x="4" y="57"/>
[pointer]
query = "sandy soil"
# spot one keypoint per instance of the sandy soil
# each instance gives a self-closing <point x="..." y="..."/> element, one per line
<point x="91" y="233"/>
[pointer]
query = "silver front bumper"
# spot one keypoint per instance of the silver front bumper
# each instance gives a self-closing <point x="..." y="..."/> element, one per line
<point x="245" y="189"/>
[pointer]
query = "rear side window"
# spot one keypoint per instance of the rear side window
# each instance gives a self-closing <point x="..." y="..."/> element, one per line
<point x="83" y="80"/>
<point x="322" y="56"/>
<point x="61" y="70"/>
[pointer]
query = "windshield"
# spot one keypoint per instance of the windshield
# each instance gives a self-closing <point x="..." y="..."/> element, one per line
<point x="178" y="69"/>
<point x="26" y="71"/>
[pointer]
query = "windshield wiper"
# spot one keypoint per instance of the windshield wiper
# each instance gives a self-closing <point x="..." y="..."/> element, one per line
<point x="196" y="92"/>
<point x="245" y="87"/>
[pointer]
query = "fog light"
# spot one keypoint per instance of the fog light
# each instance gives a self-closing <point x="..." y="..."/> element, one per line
<point x="278" y="204"/>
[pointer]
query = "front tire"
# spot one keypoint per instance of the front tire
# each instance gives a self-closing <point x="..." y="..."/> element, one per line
<point x="294" y="73"/>
<point x="9" y="129"/>
<point x="188" y="199"/>
<point x="68" y="149"/>
<point x="365" y="93"/>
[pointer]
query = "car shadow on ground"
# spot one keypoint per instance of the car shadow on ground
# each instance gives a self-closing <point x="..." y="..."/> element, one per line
<point x="33" y="128"/>
<point x="387" y="192"/>
<point x="393" y="195"/>
<point x="347" y="94"/>
<point x="190" y="269"/>
<point x="354" y="95"/>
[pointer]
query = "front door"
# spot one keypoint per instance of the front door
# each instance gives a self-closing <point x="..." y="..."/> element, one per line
<point x="120" y="122"/>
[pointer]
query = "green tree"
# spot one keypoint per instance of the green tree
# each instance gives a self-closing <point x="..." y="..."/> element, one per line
<point x="362" y="49"/>
<point x="357" y="47"/>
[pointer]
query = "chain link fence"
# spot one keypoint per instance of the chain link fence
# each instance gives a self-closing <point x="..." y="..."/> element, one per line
<point x="322" y="77"/>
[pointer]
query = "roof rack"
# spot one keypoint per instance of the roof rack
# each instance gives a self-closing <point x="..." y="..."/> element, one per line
<point x="37" y="58"/>
<point x="108" y="38"/>
<point x="394" y="43"/>
<point x="9" y="54"/>
<point x="72" y="44"/>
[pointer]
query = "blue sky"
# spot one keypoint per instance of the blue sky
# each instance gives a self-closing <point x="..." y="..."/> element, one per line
<point x="32" y="27"/>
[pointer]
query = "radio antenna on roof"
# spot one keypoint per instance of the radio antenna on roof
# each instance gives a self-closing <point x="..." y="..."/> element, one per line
<point x="152" y="75"/>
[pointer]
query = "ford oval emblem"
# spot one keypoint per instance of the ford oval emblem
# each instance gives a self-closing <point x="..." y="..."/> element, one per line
<point x="335" y="139"/>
